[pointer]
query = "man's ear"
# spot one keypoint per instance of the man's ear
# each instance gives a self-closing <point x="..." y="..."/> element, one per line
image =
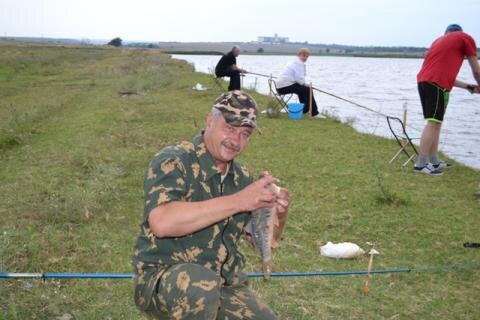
<point x="209" y="120"/>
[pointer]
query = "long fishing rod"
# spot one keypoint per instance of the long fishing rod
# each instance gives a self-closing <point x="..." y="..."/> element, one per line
<point x="48" y="275"/>
<point x="351" y="102"/>
<point x="261" y="75"/>
<point x="365" y="107"/>
<point x="343" y="99"/>
<point x="327" y="93"/>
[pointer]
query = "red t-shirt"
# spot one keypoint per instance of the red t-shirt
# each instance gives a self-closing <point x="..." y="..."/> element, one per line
<point x="445" y="57"/>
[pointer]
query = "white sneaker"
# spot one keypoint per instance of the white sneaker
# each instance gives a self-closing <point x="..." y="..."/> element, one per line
<point x="442" y="165"/>
<point x="319" y="116"/>
<point x="428" y="169"/>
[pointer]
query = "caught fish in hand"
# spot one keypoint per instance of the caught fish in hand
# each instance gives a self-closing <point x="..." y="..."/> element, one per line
<point x="262" y="228"/>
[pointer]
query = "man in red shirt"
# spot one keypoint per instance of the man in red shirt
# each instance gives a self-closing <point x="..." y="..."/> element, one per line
<point x="435" y="80"/>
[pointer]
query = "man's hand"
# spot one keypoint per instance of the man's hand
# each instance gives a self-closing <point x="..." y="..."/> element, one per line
<point x="282" y="203"/>
<point x="473" y="88"/>
<point x="257" y="196"/>
<point x="237" y="68"/>
<point x="281" y="210"/>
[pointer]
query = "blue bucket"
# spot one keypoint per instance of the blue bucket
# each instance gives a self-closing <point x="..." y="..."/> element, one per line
<point x="295" y="110"/>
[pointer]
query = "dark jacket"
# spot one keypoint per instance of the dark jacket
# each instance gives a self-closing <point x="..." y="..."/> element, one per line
<point x="224" y="64"/>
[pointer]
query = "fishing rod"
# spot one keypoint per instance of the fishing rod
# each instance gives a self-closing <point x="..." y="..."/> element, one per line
<point x="367" y="108"/>
<point x="48" y="275"/>
<point x="328" y="93"/>
<point x="271" y="77"/>
<point x="261" y="75"/>
<point x="351" y="102"/>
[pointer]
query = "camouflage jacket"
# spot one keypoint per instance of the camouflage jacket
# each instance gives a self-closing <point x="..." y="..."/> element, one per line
<point x="187" y="172"/>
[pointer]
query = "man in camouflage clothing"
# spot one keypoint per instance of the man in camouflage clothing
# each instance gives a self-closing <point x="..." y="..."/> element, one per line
<point x="198" y="200"/>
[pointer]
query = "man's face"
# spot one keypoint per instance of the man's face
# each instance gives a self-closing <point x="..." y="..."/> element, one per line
<point x="236" y="52"/>
<point x="224" y="141"/>
<point x="303" y="56"/>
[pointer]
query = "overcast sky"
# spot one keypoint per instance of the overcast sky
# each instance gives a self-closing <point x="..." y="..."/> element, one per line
<point x="356" y="22"/>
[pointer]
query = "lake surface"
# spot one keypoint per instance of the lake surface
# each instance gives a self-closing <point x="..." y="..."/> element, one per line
<point x="385" y="85"/>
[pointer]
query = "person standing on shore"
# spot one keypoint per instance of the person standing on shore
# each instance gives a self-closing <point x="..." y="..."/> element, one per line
<point x="292" y="80"/>
<point x="435" y="80"/>
<point x="227" y="67"/>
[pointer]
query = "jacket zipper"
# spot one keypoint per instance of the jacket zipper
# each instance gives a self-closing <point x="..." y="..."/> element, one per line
<point x="223" y="238"/>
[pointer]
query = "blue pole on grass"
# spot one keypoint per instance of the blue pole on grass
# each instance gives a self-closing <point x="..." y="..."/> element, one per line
<point x="49" y="275"/>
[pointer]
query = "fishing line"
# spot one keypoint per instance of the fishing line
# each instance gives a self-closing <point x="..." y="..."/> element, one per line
<point x="441" y="268"/>
<point x="361" y="106"/>
<point x="327" y="93"/>
<point x="351" y="102"/>
<point x="338" y="97"/>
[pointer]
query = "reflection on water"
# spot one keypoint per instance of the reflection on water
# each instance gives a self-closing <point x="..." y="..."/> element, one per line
<point x="381" y="84"/>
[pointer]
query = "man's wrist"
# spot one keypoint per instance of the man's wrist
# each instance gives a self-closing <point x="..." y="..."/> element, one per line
<point x="235" y="203"/>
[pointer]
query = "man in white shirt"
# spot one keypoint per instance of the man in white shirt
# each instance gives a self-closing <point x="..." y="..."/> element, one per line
<point x="292" y="80"/>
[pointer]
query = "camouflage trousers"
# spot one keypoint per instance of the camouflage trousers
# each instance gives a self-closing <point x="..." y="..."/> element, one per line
<point x="190" y="291"/>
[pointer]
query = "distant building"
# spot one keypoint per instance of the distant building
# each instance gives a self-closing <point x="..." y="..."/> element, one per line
<point x="274" y="39"/>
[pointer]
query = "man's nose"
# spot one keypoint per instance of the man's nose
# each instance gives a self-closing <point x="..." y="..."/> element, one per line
<point x="235" y="138"/>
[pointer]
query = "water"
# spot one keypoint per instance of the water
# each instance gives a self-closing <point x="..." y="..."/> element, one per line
<point x="381" y="84"/>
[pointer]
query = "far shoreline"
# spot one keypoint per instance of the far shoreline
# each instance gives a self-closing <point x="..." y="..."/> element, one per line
<point x="341" y="55"/>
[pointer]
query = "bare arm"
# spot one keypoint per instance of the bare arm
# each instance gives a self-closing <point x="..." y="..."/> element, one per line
<point x="178" y="218"/>
<point x="473" y="61"/>
<point x="476" y="74"/>
<point x="463" y="85"/>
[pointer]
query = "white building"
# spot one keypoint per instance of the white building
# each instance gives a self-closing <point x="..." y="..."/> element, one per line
<point x="274" y="39"/>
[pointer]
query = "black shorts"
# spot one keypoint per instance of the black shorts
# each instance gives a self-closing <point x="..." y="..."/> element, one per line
<point x="434" y="101"/>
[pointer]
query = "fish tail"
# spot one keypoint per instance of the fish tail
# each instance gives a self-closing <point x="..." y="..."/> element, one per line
<point x="267" y="268"/>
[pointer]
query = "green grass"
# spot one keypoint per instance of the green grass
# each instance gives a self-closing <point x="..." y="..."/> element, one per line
<point x="72" y="157"/>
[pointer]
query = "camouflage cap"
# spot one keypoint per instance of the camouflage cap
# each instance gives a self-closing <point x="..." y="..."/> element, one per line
<point x="238" y="108"/>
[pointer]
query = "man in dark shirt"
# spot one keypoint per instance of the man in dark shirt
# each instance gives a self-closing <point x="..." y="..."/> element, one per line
<point x="227" y="67"/>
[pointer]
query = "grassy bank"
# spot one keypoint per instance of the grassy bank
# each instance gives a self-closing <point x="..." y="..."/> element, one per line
<point x="73" y="151"/>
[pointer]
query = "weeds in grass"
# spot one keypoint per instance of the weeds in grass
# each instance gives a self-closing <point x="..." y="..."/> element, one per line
<point x="273" y="108"/>
<point x="20" y="126"/>
<point x="350" y="121"/>
<point x="331" y="115"/>
<point x="17" y="128"/>
<point x="218" y="83"/>
<point x="253" y="86"/>
<point x="386" y="196"/>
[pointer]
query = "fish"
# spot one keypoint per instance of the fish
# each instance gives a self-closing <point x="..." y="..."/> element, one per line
<point x="262" y="224"/>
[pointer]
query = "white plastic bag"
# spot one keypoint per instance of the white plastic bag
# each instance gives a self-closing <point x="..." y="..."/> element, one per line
<point x="342" y="250"/>
<point x="199" y="87"/>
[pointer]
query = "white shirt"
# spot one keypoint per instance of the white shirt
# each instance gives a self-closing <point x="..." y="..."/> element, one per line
<point x="295" y="71"/>
<point x="223" y="176"/>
